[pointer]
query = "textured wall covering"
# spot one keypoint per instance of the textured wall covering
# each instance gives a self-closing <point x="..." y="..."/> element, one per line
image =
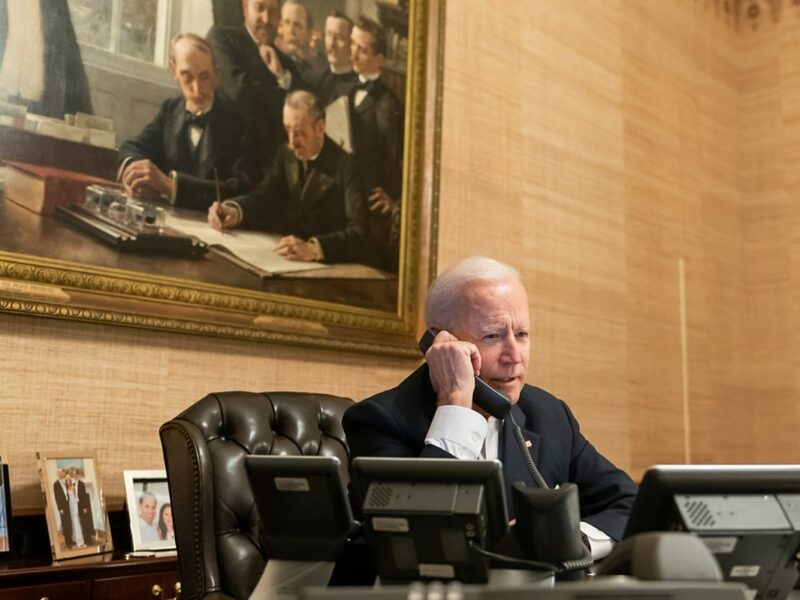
<point x="597" y="146"/>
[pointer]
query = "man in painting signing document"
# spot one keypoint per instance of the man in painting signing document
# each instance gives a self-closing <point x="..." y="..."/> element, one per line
<point x="311" y="194"/>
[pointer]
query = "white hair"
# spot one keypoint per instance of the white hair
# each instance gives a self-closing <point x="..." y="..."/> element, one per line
<point x="444" y="294"/>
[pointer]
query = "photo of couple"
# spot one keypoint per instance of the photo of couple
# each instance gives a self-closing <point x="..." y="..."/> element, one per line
<point x="76" y="520"/>
<point x="149" y="510"/>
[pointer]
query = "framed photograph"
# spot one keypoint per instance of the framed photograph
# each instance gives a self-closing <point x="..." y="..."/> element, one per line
<point x="76" y="515"/>
<point x="52" y="266"/>
<point x="149" y="510"/>
<point x="5" y="512"/>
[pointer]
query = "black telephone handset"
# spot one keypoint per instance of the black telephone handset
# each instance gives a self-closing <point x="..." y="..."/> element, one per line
<point x="489" y="399"/>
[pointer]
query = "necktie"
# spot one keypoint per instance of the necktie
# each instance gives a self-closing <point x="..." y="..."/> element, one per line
<point x="197" y="120"/>
<point x="303" y="173"/>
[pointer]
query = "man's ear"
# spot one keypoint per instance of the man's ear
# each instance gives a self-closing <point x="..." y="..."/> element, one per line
<point x="172" y="70"/>
<point x="320" y="127"/>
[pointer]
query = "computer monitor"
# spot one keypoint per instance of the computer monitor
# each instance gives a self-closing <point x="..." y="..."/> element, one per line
<point x="747" y="515"/>
<point x="303" y="504"/>
<point x="421" y="515"/>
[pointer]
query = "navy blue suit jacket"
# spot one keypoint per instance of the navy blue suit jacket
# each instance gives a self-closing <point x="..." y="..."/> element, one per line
<point x="395" y="422"/>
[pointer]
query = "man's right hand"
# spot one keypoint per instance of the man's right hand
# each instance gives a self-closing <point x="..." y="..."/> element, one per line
<point x="222" y="216"/>
<point x="453" y="366"/>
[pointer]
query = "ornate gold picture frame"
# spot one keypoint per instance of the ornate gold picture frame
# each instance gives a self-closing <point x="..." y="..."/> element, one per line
<point x="377" y="315"/>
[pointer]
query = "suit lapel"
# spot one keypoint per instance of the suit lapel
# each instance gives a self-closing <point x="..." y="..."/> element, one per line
<point x="317" y="183"/>
<point x="318" y="180"/>
<point x="514" y="467"/>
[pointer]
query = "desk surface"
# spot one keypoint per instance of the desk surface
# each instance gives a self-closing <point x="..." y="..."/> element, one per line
<point x="24" y="232"/>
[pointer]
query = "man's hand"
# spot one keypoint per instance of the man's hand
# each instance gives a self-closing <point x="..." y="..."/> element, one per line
<point x="270" y="58"/>
<point x="222" y="216"/>
<point x="453" y="366"/>
<point x="381" y="201"/>
<point x="293" y="248"/>
<point x="143" y="179"/>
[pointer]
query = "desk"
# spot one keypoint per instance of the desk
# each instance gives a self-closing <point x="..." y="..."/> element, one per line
<point x="24" y="232"/>
<point x="102" y="577"/>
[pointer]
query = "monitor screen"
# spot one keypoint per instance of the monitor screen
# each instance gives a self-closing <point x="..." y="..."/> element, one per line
<point x="303" y="504"/>
<point x="747" y="515"/>
<point x="421" y="515"/>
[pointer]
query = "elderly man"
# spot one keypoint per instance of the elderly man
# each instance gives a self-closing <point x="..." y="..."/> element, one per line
<point x="377" y="123"/>
<point x="338" y="77"/>
<point x="196" y="140"/>
<point x="480" y="309"/>
<point x="311" y="193"/>
<point x="255" y="73"/>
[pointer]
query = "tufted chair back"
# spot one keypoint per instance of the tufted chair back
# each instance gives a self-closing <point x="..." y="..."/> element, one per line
<point x="217" y="528"/>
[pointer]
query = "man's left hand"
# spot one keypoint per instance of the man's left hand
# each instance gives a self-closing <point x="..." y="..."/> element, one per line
<point x="293" y="248"/>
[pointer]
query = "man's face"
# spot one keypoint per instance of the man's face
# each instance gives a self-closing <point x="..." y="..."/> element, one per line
<point x="337" y="42"/>
<point x="365" y="61"/>
<point x="294" y="29"/>
<point x="305" y="137"/>
<point x="60" y="473"/>
<point x="494" y="316"/>
<point x="195" y="73"/>
<point x="147" y="509"/>
<point x="261" y="18"/>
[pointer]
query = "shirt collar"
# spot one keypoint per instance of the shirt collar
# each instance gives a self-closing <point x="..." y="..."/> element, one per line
<point x="206" y="111"/>
<point x="371" y="77"/>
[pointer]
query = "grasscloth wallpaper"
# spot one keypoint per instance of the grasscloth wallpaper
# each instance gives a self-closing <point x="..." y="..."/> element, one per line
<point x="635" y="160"/>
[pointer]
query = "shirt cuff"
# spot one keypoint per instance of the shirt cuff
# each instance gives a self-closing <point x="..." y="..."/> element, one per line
<point x="458" y="430"/>
<point x="237" y="207"/>
<point x="599" y="543"/>
<point x="121" y="171"/>
<point x="319" y="254"/>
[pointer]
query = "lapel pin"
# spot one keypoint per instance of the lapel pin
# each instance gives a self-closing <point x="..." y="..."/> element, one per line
<point x="528" y="444"/>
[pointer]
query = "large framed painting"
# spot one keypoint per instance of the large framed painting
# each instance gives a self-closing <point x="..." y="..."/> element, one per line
<point x="84" y="237"/>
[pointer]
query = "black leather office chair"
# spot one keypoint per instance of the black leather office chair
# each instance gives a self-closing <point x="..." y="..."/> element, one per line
<point x="216" y="523"/>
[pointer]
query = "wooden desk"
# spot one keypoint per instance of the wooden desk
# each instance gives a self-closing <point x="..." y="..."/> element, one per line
<point x="24" y="232"/>
<point x="103" y="577"/>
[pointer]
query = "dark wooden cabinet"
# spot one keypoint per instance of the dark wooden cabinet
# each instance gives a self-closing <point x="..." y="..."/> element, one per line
<point x="109" y="577"/>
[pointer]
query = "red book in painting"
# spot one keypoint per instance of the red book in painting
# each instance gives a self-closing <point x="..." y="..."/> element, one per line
<point x="41" y="189"/>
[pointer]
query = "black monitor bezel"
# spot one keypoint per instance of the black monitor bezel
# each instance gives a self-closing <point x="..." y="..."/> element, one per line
<point x="311" y="544"/>
<point x="654" y="503"/>
<point x="488" y="473"/>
